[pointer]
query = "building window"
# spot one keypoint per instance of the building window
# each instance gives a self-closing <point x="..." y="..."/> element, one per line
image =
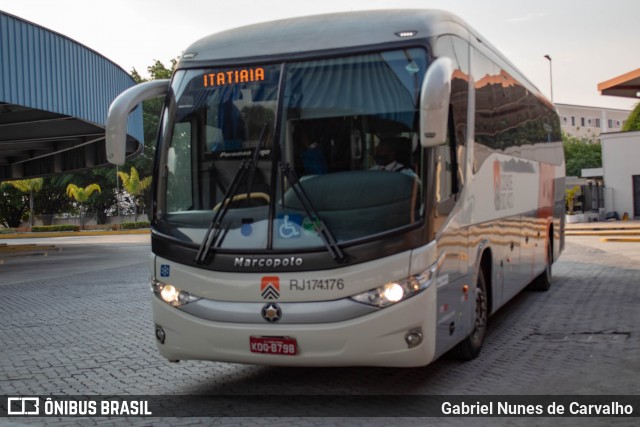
<point x="610" y="123"/>
<point x="573" y="121"/>
<point x="597" y="123"/>
<point x="582" y="121"/>
<point x="565" y="119"/>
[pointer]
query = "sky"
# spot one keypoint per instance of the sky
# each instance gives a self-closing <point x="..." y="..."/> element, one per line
<point x="589" y="41"/>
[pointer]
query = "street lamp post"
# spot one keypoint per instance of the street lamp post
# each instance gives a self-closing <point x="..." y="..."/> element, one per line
<point x="550" y="76"/>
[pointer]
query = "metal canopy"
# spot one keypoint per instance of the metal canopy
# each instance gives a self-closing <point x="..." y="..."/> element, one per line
<point x="36" y="142"/>
<point x="626" y="85"/>
<point x="54" y="97"/>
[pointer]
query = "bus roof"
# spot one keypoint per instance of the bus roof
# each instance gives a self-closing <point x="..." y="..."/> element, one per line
<point x="302" y="36"/>
<point x="320" y="32"/>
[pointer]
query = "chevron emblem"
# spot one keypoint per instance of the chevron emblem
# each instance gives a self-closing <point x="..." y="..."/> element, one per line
<point x="270" y="287"/>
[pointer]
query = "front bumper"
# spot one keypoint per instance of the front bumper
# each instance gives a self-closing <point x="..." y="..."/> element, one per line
<point x="376" y="339"/>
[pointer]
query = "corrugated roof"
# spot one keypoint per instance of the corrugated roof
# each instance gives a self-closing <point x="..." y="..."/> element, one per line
<point x="54" y="98"/>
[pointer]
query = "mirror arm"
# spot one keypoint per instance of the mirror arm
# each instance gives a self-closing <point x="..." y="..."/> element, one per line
<point x="118" y="116"/>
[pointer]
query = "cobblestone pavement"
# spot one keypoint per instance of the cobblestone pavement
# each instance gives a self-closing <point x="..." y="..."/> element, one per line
<point x="91" y="333"/>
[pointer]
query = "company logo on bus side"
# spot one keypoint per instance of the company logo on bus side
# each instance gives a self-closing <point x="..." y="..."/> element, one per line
<point x="270" y="287"/>
<point x="243" y="262"/>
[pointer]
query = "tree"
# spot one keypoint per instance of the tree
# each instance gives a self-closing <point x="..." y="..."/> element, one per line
<point x="134" y="186"/>
<point x="52" y="199"/>
<point x="104" y="202"/>
<point x="633" y="121"/>
<point x="12" y="208"/>
<point x="81" y="195"/>
<point x="29" y="186"/>
<point x="581" y="154"/>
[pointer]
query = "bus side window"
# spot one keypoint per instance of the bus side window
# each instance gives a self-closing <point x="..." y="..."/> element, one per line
<point x="179" y="169"/>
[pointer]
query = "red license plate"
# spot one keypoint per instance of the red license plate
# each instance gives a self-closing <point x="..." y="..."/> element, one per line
<point x="274" y="345"/>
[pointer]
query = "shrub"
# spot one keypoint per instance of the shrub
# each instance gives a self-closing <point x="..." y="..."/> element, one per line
<point x="134" y="225"/>
<point x="61" y="227"/>
<point x="7" y="231"/>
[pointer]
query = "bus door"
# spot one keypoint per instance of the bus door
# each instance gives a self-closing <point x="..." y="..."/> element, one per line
<point x="453" y="241"/>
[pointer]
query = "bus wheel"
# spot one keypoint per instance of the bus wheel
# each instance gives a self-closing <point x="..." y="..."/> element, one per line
<point x="470" y="348"/>
<point x="543" y="281"/>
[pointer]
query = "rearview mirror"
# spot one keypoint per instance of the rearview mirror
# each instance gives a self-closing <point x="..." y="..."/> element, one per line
<point x="118" y="116"/>
<point x="434" y="102"/>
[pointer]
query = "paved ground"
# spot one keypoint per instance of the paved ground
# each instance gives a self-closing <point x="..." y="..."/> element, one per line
<point x="88" y="331"/>
<point x="48" y="258"/>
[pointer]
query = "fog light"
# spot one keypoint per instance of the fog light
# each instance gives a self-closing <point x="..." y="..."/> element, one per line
<point x="413" y="338"/>
<point x="160" y="335"/>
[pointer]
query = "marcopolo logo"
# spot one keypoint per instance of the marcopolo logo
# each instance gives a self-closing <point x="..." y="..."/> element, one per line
<point x="243" y="262"/>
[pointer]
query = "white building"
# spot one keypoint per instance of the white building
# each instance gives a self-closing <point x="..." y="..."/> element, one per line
<point x="589" y="122"/>
<point x="621" y="172"/>
<point x="621" y="153"/>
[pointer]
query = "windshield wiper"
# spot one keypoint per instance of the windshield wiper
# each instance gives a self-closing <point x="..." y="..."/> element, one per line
<point x="212" y="237"/>
<point x="321" y="228"/>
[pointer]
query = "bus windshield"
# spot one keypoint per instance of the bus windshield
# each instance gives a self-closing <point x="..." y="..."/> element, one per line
<point x="285" y="156"/>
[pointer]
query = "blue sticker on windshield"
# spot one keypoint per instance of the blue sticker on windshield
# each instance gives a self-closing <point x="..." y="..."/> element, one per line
<point x="289" y="226"/>
<point x="246" y="230"/>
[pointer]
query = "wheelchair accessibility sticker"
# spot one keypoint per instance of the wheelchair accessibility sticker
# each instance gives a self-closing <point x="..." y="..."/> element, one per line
<point x="290" y="226"/>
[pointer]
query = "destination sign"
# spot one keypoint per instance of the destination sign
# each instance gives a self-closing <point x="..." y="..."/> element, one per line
<point x="232" y="77"/>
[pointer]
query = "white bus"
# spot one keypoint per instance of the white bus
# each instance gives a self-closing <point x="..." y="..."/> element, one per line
<point x="360" y="188"/>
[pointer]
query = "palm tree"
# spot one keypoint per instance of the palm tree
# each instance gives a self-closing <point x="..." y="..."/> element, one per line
<point x="134" y="186"/>
<point x="27" y="186"/>
<point x="81" y="195"/>
<point x="570" y="194"/>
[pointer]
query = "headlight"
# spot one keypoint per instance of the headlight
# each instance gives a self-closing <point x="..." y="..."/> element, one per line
<point x="172" y="295"/>
<point x="394" y="292"/>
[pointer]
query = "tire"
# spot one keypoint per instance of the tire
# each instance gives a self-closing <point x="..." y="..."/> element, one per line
<point x="470" y="347"/>
<point x="542" y="283"/>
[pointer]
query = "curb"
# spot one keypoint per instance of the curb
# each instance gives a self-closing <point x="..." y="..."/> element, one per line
<point x="72" y="234"/>
<point x="620" y="239"/>
<point x="602" y="232"/>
